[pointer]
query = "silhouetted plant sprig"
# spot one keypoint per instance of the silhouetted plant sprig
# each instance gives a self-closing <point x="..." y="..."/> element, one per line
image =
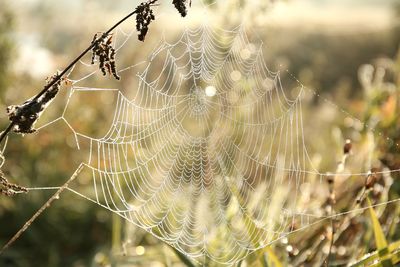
<point x="25" y="116"/>
<point x="181" y="6"/>
<point x="9" y="189"/>
<point x="144" y="16"/>
<point x="104" y="51"/>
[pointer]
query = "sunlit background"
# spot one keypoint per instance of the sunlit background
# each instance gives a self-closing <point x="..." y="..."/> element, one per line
<point x="344" y="52"/>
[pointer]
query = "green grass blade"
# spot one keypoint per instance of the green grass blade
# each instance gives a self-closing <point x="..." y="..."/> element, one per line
<point x="394" y="260"/>
<point x="394" y="249"/>
<point x="273" y="260"/>
<point x="381" y="243"/>
<point x="383" y="252"/>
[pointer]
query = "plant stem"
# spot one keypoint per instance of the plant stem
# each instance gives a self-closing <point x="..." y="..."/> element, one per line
<point x="331" y="243"/>
<point x="6" y="131"/>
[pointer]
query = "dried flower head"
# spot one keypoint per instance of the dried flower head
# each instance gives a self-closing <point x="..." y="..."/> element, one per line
<point x="372" y="178"/>
<point x="105" y="52"/>
<point x="180" y="5"/>
<point x="25" y="116"/>
<point x="9" y="189"/>
<point x="144" y="16"/>
<point x="347" y="147"/>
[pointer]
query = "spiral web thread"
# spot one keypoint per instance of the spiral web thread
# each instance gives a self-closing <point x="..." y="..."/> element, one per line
<point x="210" y="148"/>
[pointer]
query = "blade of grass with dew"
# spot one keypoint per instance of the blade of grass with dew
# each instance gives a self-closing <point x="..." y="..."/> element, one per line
<point x="394" y="259"/>
<point x="380" y="240"/>
<point x="116" y="233"/>
<point x="394" y="250"/>
<point x="272" y="258"/>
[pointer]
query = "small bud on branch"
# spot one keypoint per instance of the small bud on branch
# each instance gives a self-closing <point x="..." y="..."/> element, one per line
<point x="347" y="147"/>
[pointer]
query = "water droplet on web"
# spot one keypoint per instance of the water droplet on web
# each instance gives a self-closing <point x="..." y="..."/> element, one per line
<point x="210" y="91"/>
<point x="236" y="75"/>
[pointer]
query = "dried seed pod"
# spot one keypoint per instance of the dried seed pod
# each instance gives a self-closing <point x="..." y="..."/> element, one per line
<point x="144" y="16"/>
<point x="180" y="5"/>
<point x="371" y="178"/>
<point x="104" y="51"/>
<point x="347" y="147"/>
<point x="9" y="189"/>
<point x="25" y="116"/>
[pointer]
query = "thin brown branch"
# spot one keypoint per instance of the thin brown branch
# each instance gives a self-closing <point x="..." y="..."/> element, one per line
<point x="41" y="210"/>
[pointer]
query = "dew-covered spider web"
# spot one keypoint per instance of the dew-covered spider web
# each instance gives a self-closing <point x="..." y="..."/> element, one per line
<point x="208" y="147"/>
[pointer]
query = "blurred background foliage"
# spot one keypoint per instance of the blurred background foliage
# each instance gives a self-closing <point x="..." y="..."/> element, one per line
<point x="355" y="65"/>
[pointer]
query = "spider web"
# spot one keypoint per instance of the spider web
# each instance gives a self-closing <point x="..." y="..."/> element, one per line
<point x="210" y="147"/>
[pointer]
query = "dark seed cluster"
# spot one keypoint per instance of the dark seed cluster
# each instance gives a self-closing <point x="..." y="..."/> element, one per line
<point x="144" y="16"/>
<point x="24" y="116"/>
<point x="9" y="189"/>
<point x="180" y="5"/>
<point x="105" y="53"/>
